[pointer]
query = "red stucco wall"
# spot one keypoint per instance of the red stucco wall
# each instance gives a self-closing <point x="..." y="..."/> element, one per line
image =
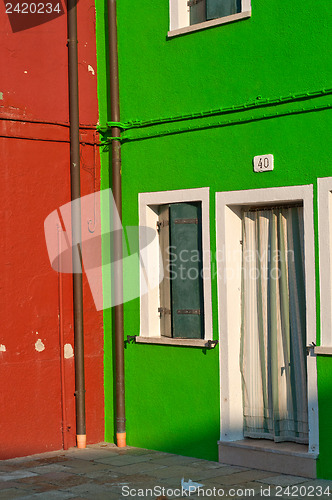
<point x="35" y="301"/>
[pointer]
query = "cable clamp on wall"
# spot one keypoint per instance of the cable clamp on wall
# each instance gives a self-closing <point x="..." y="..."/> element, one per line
<point x="119" y="125"/>
<point x="110" y="139"/>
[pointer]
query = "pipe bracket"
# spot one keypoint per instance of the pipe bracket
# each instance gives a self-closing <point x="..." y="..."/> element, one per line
<point x="76" y="393"/>
<point x="211" y="344"/>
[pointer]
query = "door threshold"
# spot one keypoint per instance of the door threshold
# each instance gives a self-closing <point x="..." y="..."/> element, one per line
<point x="286" y="457"/>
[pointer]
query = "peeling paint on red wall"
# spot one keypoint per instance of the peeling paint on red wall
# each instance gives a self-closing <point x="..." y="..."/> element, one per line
<point x="37" y="406"/>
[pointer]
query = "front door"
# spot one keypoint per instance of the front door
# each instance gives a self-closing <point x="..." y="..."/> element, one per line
<point x="273" y="325"/>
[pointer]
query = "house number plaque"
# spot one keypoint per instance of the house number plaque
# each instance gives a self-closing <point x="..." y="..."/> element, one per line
<point x="263" y="163"/>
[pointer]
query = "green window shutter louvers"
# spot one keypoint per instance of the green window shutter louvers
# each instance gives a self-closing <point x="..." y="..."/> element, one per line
<point x="186" y="270"/>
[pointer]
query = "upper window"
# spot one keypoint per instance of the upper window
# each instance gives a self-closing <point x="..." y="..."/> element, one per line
<point x="205" y="10"/>
<point x="191" y="15"/>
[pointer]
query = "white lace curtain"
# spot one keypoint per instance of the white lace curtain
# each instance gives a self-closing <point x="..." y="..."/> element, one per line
<point x="273" y="344"/>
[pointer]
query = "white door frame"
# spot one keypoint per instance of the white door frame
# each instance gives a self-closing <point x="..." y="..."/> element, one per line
<point x="324" y="193"/>
<point x="229" y="253"/>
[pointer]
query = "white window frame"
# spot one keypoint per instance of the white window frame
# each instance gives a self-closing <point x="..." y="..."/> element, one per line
<point x="229" y="234"/>
<point x="180" y="19"/>
<point x="325" y="263"/>
<point x="149" y="302"/>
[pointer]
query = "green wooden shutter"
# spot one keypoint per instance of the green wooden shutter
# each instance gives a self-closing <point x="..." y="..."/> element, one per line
<point x="186" y="270"/>
<point x="197" y="11"/>
<point x="164" y="287"/>
<point x="222" y="8"/>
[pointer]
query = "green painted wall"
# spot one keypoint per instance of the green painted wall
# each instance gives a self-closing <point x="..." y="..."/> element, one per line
<point x="172" y="393"/>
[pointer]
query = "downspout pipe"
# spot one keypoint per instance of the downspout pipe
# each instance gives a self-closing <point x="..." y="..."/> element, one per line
<point x="117" y="235"/>
<point x="76" y="222"/>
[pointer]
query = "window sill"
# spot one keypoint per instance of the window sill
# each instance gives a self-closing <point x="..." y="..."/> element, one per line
<point x="180" y="342"/>
<point x="209" y="24"/>
<point x="325" y="351"/>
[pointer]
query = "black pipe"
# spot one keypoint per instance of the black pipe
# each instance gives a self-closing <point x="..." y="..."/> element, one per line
<point x="117" y="235"/>
<point x="76" y="222"/>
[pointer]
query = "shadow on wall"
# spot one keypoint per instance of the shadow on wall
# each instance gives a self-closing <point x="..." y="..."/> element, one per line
<point x="173" y="400"/>
<point x="28" y="15"/>
<point x="202" y="443"/>
<point x="183" y="418"/>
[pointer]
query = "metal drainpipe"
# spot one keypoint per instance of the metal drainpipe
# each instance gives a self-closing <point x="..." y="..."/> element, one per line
<point x="117" y="235"/>
<point x="76" y="222"/>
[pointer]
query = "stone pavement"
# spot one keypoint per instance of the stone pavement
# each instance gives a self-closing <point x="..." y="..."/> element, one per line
<point x="104" y="471"/>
